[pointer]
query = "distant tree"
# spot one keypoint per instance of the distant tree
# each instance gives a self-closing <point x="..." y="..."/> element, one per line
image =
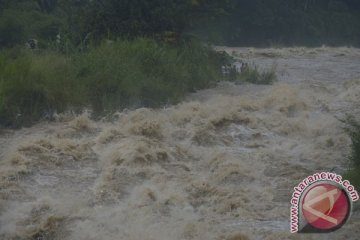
<point x="47" y="5"/>
<point x="11" y="31"/>
<point x="290" y="22"/>
<point x="113" y="18"/>
<point x="23" y="19"/>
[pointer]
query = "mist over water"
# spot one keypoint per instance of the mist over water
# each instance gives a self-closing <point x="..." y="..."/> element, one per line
<point x="220" y="165"/>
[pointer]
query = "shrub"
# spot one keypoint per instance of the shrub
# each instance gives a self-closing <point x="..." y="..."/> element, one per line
<point x="109" y="77"/>
<point x="34" y="85"/>
<point x="143" y="72"/>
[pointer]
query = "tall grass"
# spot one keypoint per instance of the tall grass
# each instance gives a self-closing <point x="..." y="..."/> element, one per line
<point x="108" y="77"/>
<point x="32" y="85"/>
<point x="144" y="72"/>
<point x="252" y="75"/>
<point x="353" y="129"/>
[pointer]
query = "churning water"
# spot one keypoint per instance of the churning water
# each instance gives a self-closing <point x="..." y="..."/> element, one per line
<point x="220" y="165"/>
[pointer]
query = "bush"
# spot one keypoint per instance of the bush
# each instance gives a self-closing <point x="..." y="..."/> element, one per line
<point x="112" y="76"/>
<point x="33" y="85"/>
<point x="143" y="72"/>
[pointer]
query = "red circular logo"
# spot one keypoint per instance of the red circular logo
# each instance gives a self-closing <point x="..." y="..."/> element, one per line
<point x="326" y="206"/>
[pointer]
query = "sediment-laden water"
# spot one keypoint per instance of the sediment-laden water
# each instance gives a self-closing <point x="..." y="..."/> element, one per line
<point x="220" y="165"/>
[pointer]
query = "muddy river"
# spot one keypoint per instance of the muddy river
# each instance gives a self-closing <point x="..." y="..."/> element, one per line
<point x="220" y="165"/>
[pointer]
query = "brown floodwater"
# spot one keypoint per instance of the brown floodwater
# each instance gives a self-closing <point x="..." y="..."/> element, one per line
<point x="219" y="165"/>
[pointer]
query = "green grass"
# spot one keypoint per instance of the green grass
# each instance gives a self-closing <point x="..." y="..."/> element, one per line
<point x="105" y="78"/>
<point x="252" y="75"/>
<point x="144" y="72"/>
<point x="353" y="129"/>
<point x="32" y="85"/>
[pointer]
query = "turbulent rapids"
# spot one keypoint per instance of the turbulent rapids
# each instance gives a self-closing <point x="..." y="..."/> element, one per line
<point x="220" y="165"/>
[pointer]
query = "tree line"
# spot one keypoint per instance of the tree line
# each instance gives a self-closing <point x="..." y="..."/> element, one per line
<point x="288" y="22"/>
<point x="232" y="22"/>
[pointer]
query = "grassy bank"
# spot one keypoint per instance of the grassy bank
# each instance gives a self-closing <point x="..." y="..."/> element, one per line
<point x="109" y="77"/>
